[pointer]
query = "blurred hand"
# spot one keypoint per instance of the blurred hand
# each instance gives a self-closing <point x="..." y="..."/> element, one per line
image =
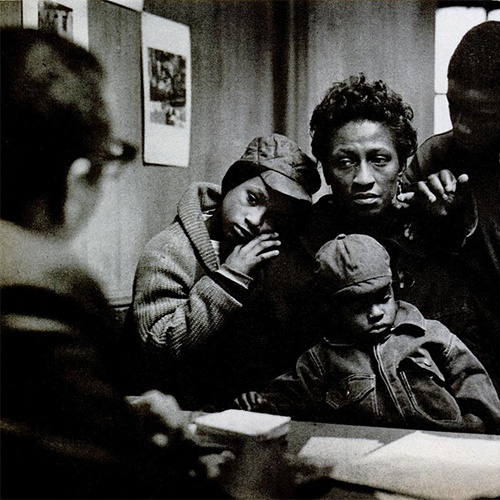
<point x="161" y="416"/>
<point x="245" y="257"/>
<point x="439" y="195"/>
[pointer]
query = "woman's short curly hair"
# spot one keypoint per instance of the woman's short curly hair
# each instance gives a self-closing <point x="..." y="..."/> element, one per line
<point x="355" y="99"/>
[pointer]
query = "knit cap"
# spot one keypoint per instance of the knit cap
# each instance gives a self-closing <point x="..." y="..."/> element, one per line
<point x="353" y="265"/>
<point x="281" y="164"/>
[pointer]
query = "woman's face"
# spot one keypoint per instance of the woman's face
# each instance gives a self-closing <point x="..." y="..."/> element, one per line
<point x="363" y="167"/>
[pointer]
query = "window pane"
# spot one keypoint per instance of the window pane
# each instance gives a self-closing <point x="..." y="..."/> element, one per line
<point x="494" y="15"/>
<point x="451" y="25"/>
<point x="442" y="121"/>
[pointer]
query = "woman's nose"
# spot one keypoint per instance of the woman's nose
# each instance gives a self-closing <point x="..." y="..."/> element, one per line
<point x="364" y="174"/>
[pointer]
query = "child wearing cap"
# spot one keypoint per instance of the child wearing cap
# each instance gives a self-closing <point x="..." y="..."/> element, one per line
<point x="197" y="283"/>
<point x="383" y="364"/>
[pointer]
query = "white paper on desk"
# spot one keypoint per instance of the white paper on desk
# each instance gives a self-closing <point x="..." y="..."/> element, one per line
<point x="429" y="466"/>
<point x="332" y="450"/>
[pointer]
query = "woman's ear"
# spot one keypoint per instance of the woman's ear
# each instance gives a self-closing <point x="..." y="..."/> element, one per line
<point x="81" y="195"/>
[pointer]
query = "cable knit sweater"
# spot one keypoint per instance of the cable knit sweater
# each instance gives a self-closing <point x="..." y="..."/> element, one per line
<point x="179" y="302"/>
<point x="205" y="338"/>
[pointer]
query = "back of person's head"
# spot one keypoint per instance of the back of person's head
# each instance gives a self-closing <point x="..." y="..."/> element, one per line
<point x="476" y="61"/>
<point x="355" y="99"/>
<point x="52" y="114"/>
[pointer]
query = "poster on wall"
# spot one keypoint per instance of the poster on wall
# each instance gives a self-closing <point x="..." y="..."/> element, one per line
<point x="68" y="18"/>
<point x="166" y="59"/>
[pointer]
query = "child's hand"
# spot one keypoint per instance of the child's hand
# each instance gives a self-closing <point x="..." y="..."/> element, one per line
<point x="245" y="257"/>
<point x="249" y="401"/>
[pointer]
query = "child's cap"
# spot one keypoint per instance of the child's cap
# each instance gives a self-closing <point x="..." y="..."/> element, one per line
<point x="353" y="265"/>
<point x="280" y="163"/>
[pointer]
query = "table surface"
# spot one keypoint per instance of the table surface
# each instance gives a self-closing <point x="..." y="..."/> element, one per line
<point x="258" y="473"/>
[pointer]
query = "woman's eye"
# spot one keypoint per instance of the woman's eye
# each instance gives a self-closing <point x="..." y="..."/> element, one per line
<point x="345" y="163"/>
<point x="380" y="161"/>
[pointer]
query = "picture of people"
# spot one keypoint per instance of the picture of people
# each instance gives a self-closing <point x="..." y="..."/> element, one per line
<point x="53" y="16"/>
<point x="167" y="88"/>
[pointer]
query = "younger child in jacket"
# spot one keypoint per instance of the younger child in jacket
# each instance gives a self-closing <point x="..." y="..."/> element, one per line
<point x="198" y="298"/>
<point x="384" y="364"/>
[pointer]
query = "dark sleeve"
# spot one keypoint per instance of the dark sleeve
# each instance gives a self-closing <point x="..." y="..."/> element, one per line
<point x="62" y="418"/>
<point x="299" y="393"/>
<point x="472" y="388"/>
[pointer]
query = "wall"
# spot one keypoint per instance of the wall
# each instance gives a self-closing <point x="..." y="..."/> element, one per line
<point x="257" y="67"/>
<point x="232" y="92"/>
<point x="389" y="40"/>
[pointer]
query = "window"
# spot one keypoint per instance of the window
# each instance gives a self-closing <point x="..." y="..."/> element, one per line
<point x="453" y="20"/>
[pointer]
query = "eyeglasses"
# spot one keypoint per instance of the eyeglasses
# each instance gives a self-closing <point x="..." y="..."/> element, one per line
<point x="117" y="154"/>
<point x="120" y="151"/>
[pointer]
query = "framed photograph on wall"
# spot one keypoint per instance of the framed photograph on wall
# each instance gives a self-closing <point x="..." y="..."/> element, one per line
<point x="166" y="59"/>
<point x="68" y="18"/>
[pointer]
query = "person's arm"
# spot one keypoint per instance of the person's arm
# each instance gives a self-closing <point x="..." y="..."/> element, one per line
<point x="298" y="393"/>
<point x="472" y="388"/>
<point x="437" y="195"/>
<point x="177" y="307"/>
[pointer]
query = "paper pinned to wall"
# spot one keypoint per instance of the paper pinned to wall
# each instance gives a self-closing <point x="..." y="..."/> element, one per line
<point x="68" y="18"/>
<point x="430" y="466"/>
<point x="166" y="59"/>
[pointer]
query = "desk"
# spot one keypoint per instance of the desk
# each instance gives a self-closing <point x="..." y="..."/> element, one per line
<point x="258" y="473"/>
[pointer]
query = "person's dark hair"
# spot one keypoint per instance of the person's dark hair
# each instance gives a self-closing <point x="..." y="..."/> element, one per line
<point x="355" y="99"/>
<point x="52" y="114"/>
<point x="476" y="61"/>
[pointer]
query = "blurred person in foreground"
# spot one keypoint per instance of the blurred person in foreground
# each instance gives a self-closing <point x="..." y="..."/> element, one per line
<point x="67" y="432"/>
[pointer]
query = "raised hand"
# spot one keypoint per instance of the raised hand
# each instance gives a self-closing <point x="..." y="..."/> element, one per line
<point x="440" y="194"/>
<point x="245" y="257"/>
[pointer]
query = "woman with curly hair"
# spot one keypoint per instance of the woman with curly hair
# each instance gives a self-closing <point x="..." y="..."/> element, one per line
<point x="362" y="135"/>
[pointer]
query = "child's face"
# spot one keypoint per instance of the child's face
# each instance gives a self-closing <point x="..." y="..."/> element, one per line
<point x="368" y="317"/>
<point x="251" y="209"/>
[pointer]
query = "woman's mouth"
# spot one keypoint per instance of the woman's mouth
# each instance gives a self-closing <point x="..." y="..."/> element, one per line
<point x="366" y="198"/>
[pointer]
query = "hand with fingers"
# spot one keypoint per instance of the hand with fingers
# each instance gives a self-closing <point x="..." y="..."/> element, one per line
<point x="441" y="194"/>
<point x="245" y="257"/>
<point x="254" y="401"/>
<point x="249" y="400"/>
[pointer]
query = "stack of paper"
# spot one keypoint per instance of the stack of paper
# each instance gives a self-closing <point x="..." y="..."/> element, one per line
<point x="429" y="466"/>
<point x="236" y="424"/>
